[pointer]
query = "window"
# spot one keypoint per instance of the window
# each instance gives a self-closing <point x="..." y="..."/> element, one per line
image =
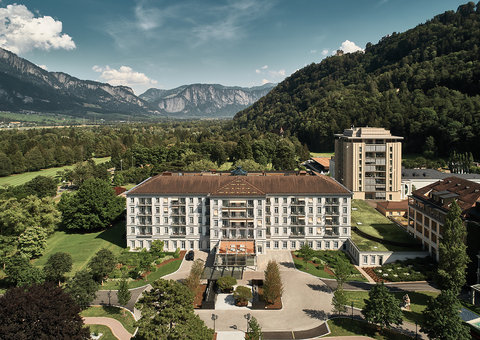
<point x="319" y="244"/>
<point x="166" y="230"/>
<point x="267" y="245"/>
<point x="132" y="210"/>
<point x="284" y="210"/>
<point x="284" y="220"/>
<point x="345" y="231"/>
<point x="165" y="244"/>
<point x="284" y="200"/>
<point x="390" y="197"/>
<point x="335" y="244"/>
<point x="276" y="231"/>
<point x="302" y="243"/>
<point x="157" y="199"/>
<point x="215" y="223"/>
<point x="373" y="259"/>
<point x="310" y="244"/>
<point x="132" y="243"/>
<point x="293" y="244"/>
<point x="157" y="210"/>
<point x="174" y="244"/>
<point x="344" y="210"/>
<point x="157" y="230"/>
<point x="183" y="244"/>
<point x="310" y="210"/>
<point x="310" y="231"/>
<point x="285" y="231"/>
<point x="190" y="210"/>
<point x="259" y="233"/>
<point x="215" y="202"/>
<point x="140" y="244"/>
<point x="132" y="230"/>
<point x="192" y="230"/>
<point x="190" y="199"/>
<point x="259" y="202"/>
<point x="216" y="233"/>
<point x="344" y="220"/>
<point x="132" y="219"/>
<point x="284" y="245"/>
<point x="344" y="200"/>
<point x="275" y="244"/>
<point x="276" y="210"/>
<point x="191" y="219"/>
<point x="319" y="200"/>
<point x="319" y="210"/>
<point x="149" y="244"/>
<point x="157" y="220"/>
<point x="165" y="220"/>
<point x="192" y="245"/>
<point x="327" y="244"/>
<point x="365" y="259"/>
<point x="276" y="220"/>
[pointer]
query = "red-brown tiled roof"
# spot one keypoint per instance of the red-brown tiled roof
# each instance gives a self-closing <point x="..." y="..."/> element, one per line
<point x="394" y="206"/>
<point x="468" y="192"/>
<point x="240" y="185"/>
<point x="323" y="161"/>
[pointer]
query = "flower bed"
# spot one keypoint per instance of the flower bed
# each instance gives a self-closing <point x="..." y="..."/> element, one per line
<point x="197" y="301"/>
<point x="419" y="269"/>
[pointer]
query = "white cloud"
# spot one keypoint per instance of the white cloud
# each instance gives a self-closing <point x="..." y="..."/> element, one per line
<point x="264" y="67"/>
<point x="324" y="52"/>
<point x="44" y="67"/>
<point x="123" y="76"/>
<point x="258" y="71"/>
<point x="21" y="31"/>
<point x="265" y="81"/>
<point x="349" y="47"/>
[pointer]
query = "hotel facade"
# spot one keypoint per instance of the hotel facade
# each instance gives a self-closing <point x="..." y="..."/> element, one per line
<point x="259" y="211"/>
<point x="368" y="161"/>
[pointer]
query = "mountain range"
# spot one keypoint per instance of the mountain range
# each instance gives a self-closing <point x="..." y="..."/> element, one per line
<point x="25" y="87"/>
<point x="422" y="84"/>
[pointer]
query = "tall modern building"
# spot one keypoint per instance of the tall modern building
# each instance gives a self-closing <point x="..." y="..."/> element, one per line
<point x="368" y="161"/>
<point x="236" y="214"/>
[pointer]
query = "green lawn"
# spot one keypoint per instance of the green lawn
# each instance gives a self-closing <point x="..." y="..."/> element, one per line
<point x="19" y="179"/>
<point x="160" y="272"/>
<point x="125" y="318"/>
<point x="375" y="224"/>
<point x="129" y="186"/>
<point x="311" y="269"/>
<point x="348" y="327"/>
<point x="104" y="330"/>
<point x="418" y="302"/>
<point x="322" y="154"/>
<point x="83" y="246"/>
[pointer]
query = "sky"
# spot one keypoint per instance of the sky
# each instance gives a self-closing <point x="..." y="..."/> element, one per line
<point x="165" y="44"/>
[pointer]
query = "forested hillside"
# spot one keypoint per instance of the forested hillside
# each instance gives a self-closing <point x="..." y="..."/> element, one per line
<point x="423" y="84"/>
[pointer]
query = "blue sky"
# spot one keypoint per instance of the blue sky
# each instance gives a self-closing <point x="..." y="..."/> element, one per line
<point x="164" y="44"/>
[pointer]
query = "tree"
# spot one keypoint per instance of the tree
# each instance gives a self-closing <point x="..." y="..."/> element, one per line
<point x="306" y="253"/>
<point x="41" y="186"/>
<point x="201" y="165"/>
<point x="272" y="286"/>
<point x="32" y="242"/>
<point x="94" y="206"/>
<point x="284" y="156"/>
<point x="57" y="266"/>
<point x="453" y="252"/>
<point x="342" y="272"/>
<point x="167" y="313"/>
<point x="193" y="279"/>
<point x="6" y="167"/>
<point x="441" y="319"/>
<point x="254" y="330"/>
<point x="21" y="273"/>
<point x="8" y="248"/>
<point x="82" y="288"/>
<point x="249" y="165"/>
<point x="339" y="301"/>
<point x="382" y="307"/>
<point x="102" y="264"/>
<point x="156" y="249"/>
<point x="226" y="283"/>
<point x="242" y="294"/>
<point x="40" y="312"/>
<point x="123" y="294"/>
<point x="145" y="260"/>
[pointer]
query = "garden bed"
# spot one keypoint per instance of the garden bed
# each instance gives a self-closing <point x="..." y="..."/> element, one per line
<point x="199" y="294"/>
<point x="418" y="269"/>
<point x="272" y="306"/>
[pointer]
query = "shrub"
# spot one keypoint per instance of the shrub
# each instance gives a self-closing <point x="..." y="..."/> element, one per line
<point x="177" y="253"/>
<point x="242" y="294"/>
<point x="226" y="283"/>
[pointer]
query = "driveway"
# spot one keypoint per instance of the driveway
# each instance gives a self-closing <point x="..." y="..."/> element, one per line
<point x="306" y="301"/>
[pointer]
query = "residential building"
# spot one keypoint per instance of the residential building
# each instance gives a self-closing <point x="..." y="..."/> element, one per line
<point x="318" y="164"/>
<point x="239" y="213"/>
<point x="368" y="161"/>
<point x="393" y="209"/>
<point x="428" y="208"/>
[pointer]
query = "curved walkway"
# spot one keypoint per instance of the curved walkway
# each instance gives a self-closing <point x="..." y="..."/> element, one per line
<point x="117" y="328"/>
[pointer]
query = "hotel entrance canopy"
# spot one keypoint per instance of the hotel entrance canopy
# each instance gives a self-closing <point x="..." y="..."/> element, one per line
<point x="235" y="254"/>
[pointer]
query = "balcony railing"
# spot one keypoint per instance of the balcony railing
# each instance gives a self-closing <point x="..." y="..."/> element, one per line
<point x="296" y="235"/>
<point x="297" y="202"/>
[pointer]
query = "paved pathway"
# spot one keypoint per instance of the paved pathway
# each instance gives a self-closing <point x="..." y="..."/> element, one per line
<point x="117" y="328"/>
<point x="421" y="286"/>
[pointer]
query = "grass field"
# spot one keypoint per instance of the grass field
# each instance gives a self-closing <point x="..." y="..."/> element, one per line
<point x="104" y="330"/>
<point x="19" y="179"/>
<point x="82" y="247"/>
<point x="418" y="302"/>
<point x="322" y="154"/>
<point x="375" y="224"/>
<point x="125" y="318"/>
<point x="348" y="327"/>
<point x="311" y="269"/>
<point x="162" y="271"/>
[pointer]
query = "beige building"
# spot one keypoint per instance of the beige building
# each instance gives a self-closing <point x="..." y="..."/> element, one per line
<point x="368" y="161"/>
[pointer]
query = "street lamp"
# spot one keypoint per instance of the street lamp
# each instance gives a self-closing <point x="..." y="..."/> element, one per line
<point x="352" y="310"/>
<point x="248" y="317"/>
<point x="109" y="294"/>
<point x="214" y="317"/>
<point x="415" y="329"/>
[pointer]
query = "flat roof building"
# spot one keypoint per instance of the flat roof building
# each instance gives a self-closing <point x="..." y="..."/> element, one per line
<point x="368" y="161"/>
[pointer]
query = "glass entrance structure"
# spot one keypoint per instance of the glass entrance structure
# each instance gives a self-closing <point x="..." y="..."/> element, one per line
<point x="236" y="254"/>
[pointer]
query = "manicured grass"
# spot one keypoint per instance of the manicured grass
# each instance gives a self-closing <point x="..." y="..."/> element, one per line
<point x="104" y="330"/>
<point x="128" y="186"/>
<point x="418" y="302"/>
<point x="377" y="225"/>
<point x="19" y="179"/>
<point x="348" y="327"/>
<point x="322" y="154"/>
<point x="82" y="247"/>
<point x="160" y="272"/>
<point x="311" y="269"/>
<point x="125" y="317"/>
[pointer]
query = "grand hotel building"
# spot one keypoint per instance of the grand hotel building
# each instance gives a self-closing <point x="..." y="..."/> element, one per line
<point x="239" y="212"/>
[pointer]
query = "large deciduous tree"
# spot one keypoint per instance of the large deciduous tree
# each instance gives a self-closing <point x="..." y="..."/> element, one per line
<point x="382" y="307"/>
<point x="123" y="294"/>
<point x="167" y="313"/>
<point x="82" y="288"/>
<point x="94" y="206"/>
<point x="21" y="273"/>
<point x="102" y="264"/>
<point x="254" y="330"/>
<point x="57" y="266"/>
<point x="40" y="312"/>
<point x="453" y="252"/>
<point x="41" y="186"/>
<point x="441" y="318"/>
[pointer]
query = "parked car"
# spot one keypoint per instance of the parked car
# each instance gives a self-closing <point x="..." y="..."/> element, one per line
<point x="190" y="256"/>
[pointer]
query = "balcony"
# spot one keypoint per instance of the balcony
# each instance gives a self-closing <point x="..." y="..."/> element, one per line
<point x="298" y="223"/>
<point x="298" y="202"/>
<point x="297" y="212"/>
<point x="181" y="222"/>
<point x="177" y="212"/>
<point x="177" y="203"/>
<point x="296" y="235"/>
<point x="331" y="233"/>
<point x="145" y="212"/>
